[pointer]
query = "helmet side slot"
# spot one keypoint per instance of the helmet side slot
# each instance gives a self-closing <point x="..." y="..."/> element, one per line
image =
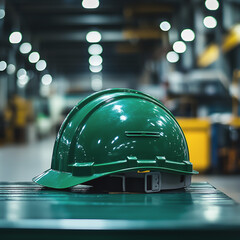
<point x="142" y="134"/>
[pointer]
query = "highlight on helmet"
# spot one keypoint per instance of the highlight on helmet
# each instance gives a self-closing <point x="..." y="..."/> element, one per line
<point x="119" y="140"/>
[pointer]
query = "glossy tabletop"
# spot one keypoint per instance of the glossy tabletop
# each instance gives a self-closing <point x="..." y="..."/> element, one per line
<point x="27" y="209"/>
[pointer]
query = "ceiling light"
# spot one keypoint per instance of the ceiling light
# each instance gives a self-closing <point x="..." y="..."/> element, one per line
<point x="95" y="69"/>
<point x="93" y="37"/>
<point x="15" y="37"/>
<point x="21" y="82"/>
<point x="212" y="4"/>
<point x="3" y="65"/>
<point x="95" y="60"/>
<point x="25" y="48"/>
<point x="41" y="65"/>
<point x="179" y="47"/>
<point x="21" y="73"/>
<point x="172" y="57"/>
<point x="188" y="35"/>
<point x="165" y="26"/>
<point x="34" y="57"/>
<point x="90" y="4"/>
<point x="2" y="13"/>
<point x="95" y="49"/>
<point x="210" y="22"/>
<point x="11" y="69"/>
<point x="96" y="82"/>
<point x="46" y="79"/>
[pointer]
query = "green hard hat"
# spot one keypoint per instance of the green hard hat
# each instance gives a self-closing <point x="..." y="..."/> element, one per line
<point x="118" y="131"/>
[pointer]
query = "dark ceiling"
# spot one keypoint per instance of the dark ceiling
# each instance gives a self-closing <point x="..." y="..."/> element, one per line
<point x="57" y="29"/>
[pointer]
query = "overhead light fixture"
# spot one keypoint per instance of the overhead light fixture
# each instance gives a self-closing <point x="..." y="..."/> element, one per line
<point x="172" y="57"/>
<point x="11" y="69"/>
<point x="3" y="65"/>
<point x="179" y="47"/>
<point x="90" y="4"/>
<point x="212" y="4"/>
<point x="22" y="82"/>
<point x="95" y="60"/>
<point x="2" y="13"/>
<point x="210" y="22"/>
<point x="46" y="79"/>
<point x="93" y="37"/>
<point x="25" y="48"/>
<point x="96" y="82"/>
<point x="165" y="26"/>
<point x="21" y="73"/>
<point x="95" y="69"/>
<point x="188" y="35"/>
<point x="15" y="37"/>
<point x="34" y="57"/>
<point x="41" y="65"/>
<point x="95" y="49"/>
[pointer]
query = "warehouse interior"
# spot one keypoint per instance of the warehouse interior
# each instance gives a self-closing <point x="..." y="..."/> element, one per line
<point x="184" y="53"/>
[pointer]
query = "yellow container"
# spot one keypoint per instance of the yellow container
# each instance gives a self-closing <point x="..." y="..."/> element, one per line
<point x="197" y="133"/>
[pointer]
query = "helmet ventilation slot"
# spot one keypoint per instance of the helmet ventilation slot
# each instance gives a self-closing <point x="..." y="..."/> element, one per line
<point x="142" y="134"/>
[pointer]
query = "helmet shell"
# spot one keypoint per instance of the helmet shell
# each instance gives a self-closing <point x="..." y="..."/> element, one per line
<point x="116" y="130"/>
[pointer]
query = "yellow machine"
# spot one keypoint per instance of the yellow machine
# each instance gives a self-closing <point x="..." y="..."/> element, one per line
<point x="17" y="114"/>
<point x="197" y="133"/>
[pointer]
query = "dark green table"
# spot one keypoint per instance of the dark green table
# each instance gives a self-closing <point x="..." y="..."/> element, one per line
<point x="28" y="211"/>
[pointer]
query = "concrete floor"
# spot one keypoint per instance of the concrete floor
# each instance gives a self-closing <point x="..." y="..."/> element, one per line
<point x="228" y="184"/>
<point x="20" y="163"/>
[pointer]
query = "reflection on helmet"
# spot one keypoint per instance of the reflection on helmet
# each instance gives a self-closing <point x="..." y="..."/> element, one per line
<point x="119" y="137"/>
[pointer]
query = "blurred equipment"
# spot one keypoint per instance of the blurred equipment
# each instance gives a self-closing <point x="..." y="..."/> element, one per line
<point x="202" y="91"/>
<point x="2" y="128"/>
<point x="18" y="114"/>
<point x="48" y="115"/>
<point x="232" y="165"/>
<point x="197" y="132"/>
<point x="124" y="137"/>
<point x="235" y="92"/>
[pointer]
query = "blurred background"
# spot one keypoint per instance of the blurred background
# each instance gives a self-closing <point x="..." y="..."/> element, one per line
<point x="184" y="53"/>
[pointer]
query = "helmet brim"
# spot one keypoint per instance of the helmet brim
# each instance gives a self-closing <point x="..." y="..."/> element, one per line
<point x="57" y="179"/>
<point x="60" y="180"/>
